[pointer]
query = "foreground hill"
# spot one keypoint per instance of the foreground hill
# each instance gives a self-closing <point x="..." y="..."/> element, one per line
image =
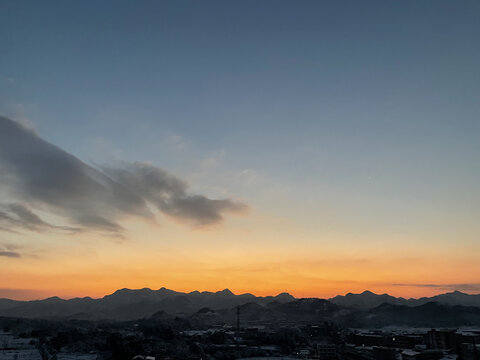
<point x="431" y="314"/>
<point x="316" y="311"/>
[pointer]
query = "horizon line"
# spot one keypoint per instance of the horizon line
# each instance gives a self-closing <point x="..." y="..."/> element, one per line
<point x="234" y="294"/>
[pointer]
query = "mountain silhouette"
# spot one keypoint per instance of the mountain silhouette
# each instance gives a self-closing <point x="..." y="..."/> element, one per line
<point x="128" y="304"/>
<point x="370" y="300"/>
<point x="366" y="300"/>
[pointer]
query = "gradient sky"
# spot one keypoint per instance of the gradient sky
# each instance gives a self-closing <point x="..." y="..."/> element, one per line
<point x="341" y="138"/>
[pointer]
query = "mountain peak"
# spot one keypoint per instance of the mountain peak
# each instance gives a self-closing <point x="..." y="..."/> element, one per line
<point x="121" y="291"/>
<point x="131" y="304"/>
<point x="284" y="297"/>
<point x="225" y="292"/>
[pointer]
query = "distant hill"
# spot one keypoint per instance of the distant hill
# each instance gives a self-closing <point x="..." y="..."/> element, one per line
<point x="369" y="300"/>
<point x="451" y="298"/>
<point x="366" y="300"/>
<point x="127" y="304"/>
<point x="220" y="307"/>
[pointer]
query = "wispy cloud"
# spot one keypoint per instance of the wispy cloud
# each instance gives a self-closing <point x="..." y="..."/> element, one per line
<point x="9" y="251"/>
<point x="448" y="287"/>
<point x="18" y="215"/>
<point x="42" y="175"/>
<point x="169" y="194"/>
<point x="10" y="254"/>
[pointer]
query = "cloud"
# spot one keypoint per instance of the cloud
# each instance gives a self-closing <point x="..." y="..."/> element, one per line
<point x="449" y="287"/>
<point x="10" y="251"/>
<point x="10" y="254"/>
<point x="18" y="215"/>
<point x="26" y="215"/>
<point x="44" y="176"/>
<point x="169" y="194"/>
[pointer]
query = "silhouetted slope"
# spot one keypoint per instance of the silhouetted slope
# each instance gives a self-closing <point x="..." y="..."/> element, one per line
<point x="7" y="304"/>
<point x="451" y="298"/>
<point x="127" y="304"/>
<point x="431" y="314"/>
<point x="368" y="300"/>
<point x="365" y="309"/>
<point x="274" y="313"/>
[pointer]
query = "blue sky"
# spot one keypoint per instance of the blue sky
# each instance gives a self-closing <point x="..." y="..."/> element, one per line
<point x="359" y="117"/>
<point x="327" y="90"/>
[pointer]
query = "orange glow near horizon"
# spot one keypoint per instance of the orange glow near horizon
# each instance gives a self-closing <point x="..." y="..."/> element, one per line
<point x="264" y="262"/>
<point x="324" y="293"/>
<point x="296" y="275"/>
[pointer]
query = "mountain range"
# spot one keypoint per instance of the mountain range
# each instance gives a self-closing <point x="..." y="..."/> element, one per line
<point x="368" y="300"/>
<point x="449" y="309"/>
<point x="127" y="304"/>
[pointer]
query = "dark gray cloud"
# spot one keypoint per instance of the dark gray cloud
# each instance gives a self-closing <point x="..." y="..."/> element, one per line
<point x="42" y="175"/>
<point x="9" y="250"/>
<point x="449" y="287"/>
<point x="10" y="254"/>
<point x="26" y="215"/>
<point x="18" y="215"/>
<point x="169" y="194"/>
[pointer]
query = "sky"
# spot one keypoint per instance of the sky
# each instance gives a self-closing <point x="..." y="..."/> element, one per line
<point x="313" y="147"/>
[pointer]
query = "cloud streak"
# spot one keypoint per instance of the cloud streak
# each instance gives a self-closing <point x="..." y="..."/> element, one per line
<point x="169" y="194"/>
<point x="19" y="216"/>
<point x="46" y="177"/>
<point x="9" y="251"/>
<point x="448" y="287"/>
<point x="9" y="254"/>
